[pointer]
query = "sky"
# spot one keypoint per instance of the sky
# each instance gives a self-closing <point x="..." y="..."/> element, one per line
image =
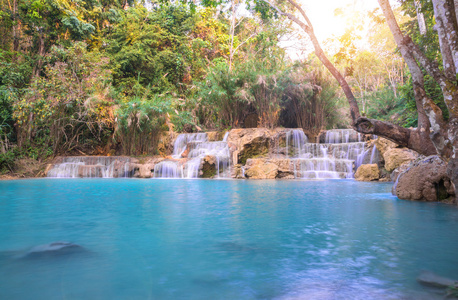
<point x="325" y="23"/>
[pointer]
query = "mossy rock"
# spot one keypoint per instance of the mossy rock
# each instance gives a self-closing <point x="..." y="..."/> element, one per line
<point x="258" y="148"/>
<point x="209" y="167"/>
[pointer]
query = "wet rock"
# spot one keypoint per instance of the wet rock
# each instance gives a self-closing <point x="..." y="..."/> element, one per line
<point x="397" y="157"/>
<point x="238" y="172"/>
<point x="214" y="136"/>
<point x="53" y="249"/>
<point x="431" y="279"/>
<point x="396" y="172"/>
<point x="367" y="172"/>
<point x="165" y="144"/>
<point x="260" y="169"/>
<point x="425" y="180"/>
<point x="209" y="166"/>
<point x="145" y="170"/>
<point x="251" y="143"/>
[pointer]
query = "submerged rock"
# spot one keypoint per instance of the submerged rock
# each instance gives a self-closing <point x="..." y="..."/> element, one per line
<point x="367" y="172"/>
<point x="431" y="279"/>
<point x="53" y="249"/>
<point x="426" y="180"/>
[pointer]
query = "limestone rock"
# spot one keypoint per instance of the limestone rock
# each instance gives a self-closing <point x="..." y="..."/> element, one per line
<point x="214" y="136"/>
<point x="237" y="172"/>
<point x="425" y="180"/>
<point x="367" y="172"/>
<point x="431" y="279"/>
<point x="384" y="145"/>
<point x="398" y="156"/>
<point x="261" y="169"/>
<point x="165" y="144"/>
<point x="52" y="249"/>
<point x="209" y="166"/>
<point x="251" y="143"/>
<point x="145" y="170"/>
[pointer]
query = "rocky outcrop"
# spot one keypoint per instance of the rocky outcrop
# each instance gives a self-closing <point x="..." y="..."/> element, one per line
<point x="165" y="144"/>
<point x="425" y="180"/>
<point x="250" y="143"/>
<point x="383" y="145"/>
<point x="396" y="157"/>
<point x="209" y="166"/>
<point x="431" y="279"/>
<point x="367" y="173"/>
<point x="262" y="168"/>
<point x="214" y="136"/>
<point x="144" y="168"/>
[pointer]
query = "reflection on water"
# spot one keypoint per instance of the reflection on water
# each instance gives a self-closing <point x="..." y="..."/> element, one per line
<point x="203" y="239"/>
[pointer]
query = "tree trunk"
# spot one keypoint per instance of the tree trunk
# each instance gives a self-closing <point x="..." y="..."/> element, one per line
<point x="41" y="53"/>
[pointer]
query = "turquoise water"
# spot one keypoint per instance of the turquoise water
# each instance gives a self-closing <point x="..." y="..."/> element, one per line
<point x="217" y="239"/>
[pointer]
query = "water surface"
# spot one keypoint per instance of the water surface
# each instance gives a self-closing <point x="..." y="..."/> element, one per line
<point x="221" y="239"/>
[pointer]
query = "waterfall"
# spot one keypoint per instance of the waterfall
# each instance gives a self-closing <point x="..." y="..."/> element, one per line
<point x="198" y="148"/>
<point x="225" y="136"/>
<point x="295" y="141"/>
<point x="92" y="167"/>
<point x="374" y="150"/>
<point x="336" y="136"/>
<point x="183" y="139"/>
<point x="340" y="154"/>
<point x="167" y="169"/>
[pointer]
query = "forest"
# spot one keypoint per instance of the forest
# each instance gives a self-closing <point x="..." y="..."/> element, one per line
<point x="108" y="77"/>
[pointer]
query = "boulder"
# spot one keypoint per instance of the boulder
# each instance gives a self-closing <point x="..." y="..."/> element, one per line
<point x="237" y="172"/>
<point x="52" y="249"/>
<point x="384" y="145"/>
<point x="209" y="166"/>
<point x="425" y="180"/>
<point x="260" y="169"/>
<point x="367" y="172"/>
<point x="251" y="143"/>
<point x="431" y="279"/>
<point x="145" y="170"/>
<point x="398" y="156"/>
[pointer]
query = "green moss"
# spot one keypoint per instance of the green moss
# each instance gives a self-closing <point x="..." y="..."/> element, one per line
<point x="209" y="170"/>
<point x="253" y="150"/>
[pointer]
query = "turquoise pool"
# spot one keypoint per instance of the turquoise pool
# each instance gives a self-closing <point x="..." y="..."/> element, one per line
<point x="220" y="239"/>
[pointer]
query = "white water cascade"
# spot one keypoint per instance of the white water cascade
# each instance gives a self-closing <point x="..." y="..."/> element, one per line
<point x="91" y="166"/>
<point x="198" y="148"/>
<point x="341" y="152"/>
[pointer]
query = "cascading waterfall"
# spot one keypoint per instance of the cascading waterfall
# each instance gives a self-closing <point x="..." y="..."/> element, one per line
<point x="91" y="166"/>
<point x="226" y="135"/>
<point x="182" y="141"/>
<point x="339" y="155"/>
<point x="198" y="148"/>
